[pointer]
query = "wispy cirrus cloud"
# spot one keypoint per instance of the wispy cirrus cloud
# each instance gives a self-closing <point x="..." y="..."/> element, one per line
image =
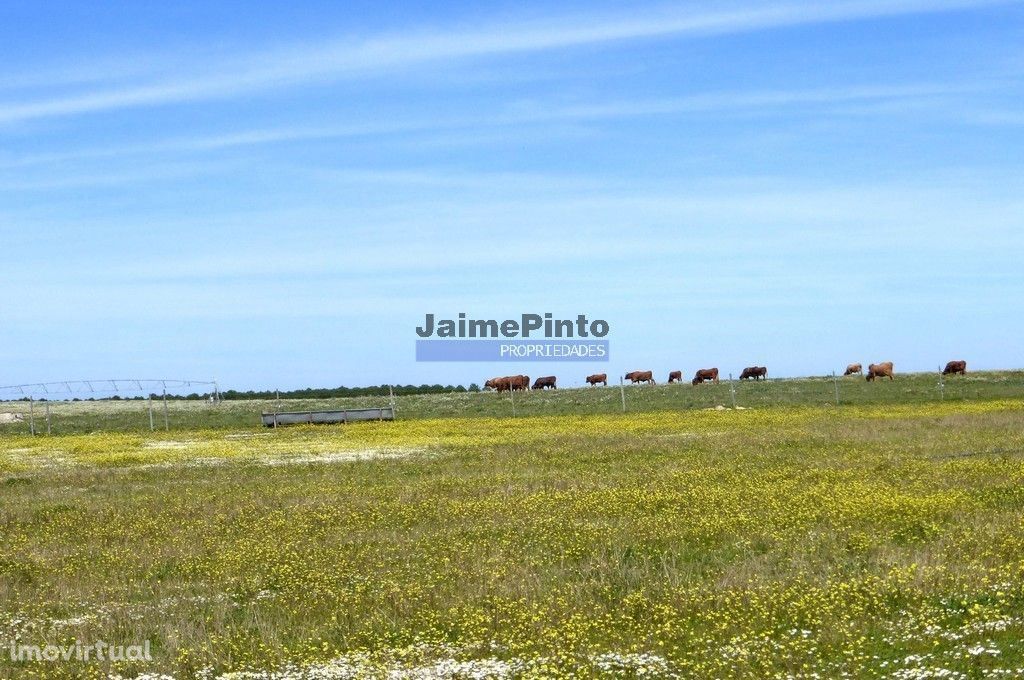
<point x="886" y="100"/>
<point x="766" y="100"/>
<point x="331" y="61"/>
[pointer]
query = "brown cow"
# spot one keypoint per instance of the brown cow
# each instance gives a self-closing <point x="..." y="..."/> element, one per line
<point x="500" y="384"/>
<point x="881" y="370"/>
<point x="853" y="368"/>
<point x="675" y="376"/>
<point x="640" y="376"/>
<point x="704" y="374"/>
<point x="598" y="378"/>
<point x="541" y="383"/>
<point x="755" y="372"/>
<point x="955" y="367"/>
<point x="520" y="382"/>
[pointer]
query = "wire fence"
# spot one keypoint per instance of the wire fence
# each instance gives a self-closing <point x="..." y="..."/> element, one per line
<point x="145" y="410"/>
<point x="108" y="404"/>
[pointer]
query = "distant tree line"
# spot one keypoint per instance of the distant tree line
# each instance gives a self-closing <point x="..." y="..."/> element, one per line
<point x="307" y="393"/>
<point x="332" y="392"/>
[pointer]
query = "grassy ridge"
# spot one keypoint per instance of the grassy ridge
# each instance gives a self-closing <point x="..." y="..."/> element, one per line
<point x="186" y="415"/>
<point x="867" y="541"/>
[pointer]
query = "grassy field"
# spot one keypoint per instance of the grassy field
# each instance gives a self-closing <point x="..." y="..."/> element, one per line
<point x="133" y="416"/>
<point x="872" y="540"/>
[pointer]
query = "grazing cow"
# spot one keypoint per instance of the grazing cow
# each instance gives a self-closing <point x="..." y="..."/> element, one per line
<point x="675" y="376"/>
<point x="955" y="367"/>
<point x="541" y="383"/>
<point x="705" y="374"/>
<point x="881" y="370"/>
<point x="853" y="368"/>
<point x="755" y="372"/>
<point x="520" y="382"/>
<point x="499" y="384"/>
<point x="640" y="376"/>
<point x="598" y="378"/>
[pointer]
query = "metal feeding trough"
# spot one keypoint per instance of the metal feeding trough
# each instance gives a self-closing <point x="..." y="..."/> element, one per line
<point x="327" y="417"/>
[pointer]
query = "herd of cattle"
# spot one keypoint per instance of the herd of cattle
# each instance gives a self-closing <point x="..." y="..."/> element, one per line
<point x="522" y="382"/>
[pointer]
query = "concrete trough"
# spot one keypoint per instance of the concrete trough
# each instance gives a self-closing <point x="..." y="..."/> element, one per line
<point x="327" y="417"/>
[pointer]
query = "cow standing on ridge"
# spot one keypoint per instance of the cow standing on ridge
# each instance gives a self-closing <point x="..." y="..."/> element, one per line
<point x="882" y="370"/>
<point x="640" y="376"/>
<point x="705" y="375"/>
<point x="499" y="384"/>
<point x="954" y="367"/>
<point x="546" y="381"/>
<point x="509" y="382"/>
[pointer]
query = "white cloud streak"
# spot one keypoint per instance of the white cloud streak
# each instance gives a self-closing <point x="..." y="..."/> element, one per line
<point x="886" y="100"/>
<point x="739" y="219"/>
<point x="357" y="59"/>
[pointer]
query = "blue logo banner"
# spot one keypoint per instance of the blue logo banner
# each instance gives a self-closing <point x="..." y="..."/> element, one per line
<point x="512" y="350"/>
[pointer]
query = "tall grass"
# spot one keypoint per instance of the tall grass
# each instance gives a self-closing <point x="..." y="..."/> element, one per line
<point x="864" y="541"/>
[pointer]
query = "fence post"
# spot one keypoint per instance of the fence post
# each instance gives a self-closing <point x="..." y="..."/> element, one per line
<point x="942" y="386"/>
<point x="277" y="406"/>
<point x="732" y="391"/>
<point x="391" y="393"/>
<point x="167" y="418"/>
<point x="512" y="395"/>
<point x="835" y="383"/>
<point x="31" y="415"/>
<point x="622" y="391"/>
<point x="47" y="416"/>
<point x="152" y="427"/>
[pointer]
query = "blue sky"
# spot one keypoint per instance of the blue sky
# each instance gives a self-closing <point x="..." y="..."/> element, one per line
<point x="276" y="196"/>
